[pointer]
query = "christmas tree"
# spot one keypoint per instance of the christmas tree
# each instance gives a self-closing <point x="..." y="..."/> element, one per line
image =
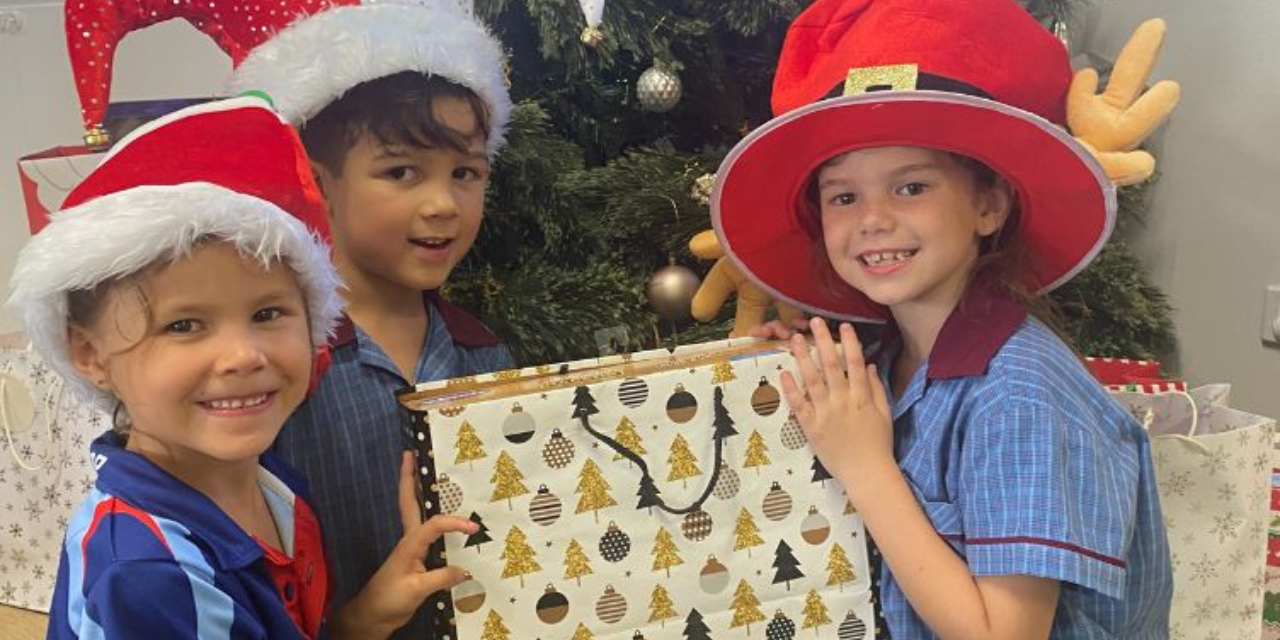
<point x="746" y="607"/>
<point x="598" y="187"/>
<point x="722" y="372"/>
<point x="582" y="633"/>
<point x="757" y="451"/>
<point x="628" y="437"/>
<point x="521" y="558"/>
<point x="695" y="628"/>
<point x="788" y="567"/>
<point x="506" y="480"/>
<point x="745" y="532"/>
<point x="576" y="563"/>
<point x="593" y="489"/>
<point x="816" y="613"/>
<point x="722" y="421"/>
<point x="494" y="628"/>
<point x="661" y="608"/>
<point x="481" y="535"/>
<point x="665" y="554"/>
<point x="468" y="444"/>
<point x="839" y="569"/>
<point x="683" y="464"/>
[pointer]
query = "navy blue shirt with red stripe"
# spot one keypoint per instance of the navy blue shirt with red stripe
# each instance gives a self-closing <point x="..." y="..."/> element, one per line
<point x="147" y="556"/>
<point x="1026" y="466"/>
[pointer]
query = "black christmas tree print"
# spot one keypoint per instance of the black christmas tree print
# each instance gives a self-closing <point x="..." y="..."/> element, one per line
<point x="695" y="628"/>
<point x="481" y="535"/>
<point x="584" y="404"/>
<point x="648" y="493"/>
<point x="788" y="567"/>
<point x="722" y="421"/>
<point x="820" y="473"/>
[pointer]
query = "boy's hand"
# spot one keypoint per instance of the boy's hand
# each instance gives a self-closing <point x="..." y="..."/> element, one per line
<point x="845" y="417"/>
<point x="389" y="599"/>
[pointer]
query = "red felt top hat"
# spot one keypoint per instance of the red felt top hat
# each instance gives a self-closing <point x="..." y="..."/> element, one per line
<point x="980" y="78"/>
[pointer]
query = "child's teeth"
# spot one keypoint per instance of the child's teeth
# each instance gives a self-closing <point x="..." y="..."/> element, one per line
<point x="237" y="403"/>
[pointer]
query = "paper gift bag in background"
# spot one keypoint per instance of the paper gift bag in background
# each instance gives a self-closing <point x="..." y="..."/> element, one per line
<point x="1213" y="464"/>
<point x="45" y="473"/>
<point x="661" y="496"/>
<point x="1271" y="597"/>
<point x="47" y="177"/>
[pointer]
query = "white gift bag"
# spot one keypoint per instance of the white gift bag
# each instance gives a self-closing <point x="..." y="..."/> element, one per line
<point x="45" y="473"/>
<point x="1213" y="464"/>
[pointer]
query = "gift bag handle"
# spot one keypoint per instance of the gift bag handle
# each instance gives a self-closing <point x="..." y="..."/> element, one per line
<point x="52" y="404"/>
<point x="583" y="414"/>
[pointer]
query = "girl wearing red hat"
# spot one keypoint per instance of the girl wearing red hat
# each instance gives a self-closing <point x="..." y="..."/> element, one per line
<point x="186" y="287"/>
<point x="917" y="162"/>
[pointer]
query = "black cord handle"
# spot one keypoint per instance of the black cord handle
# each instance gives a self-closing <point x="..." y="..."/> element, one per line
<point x="583" y="411"/>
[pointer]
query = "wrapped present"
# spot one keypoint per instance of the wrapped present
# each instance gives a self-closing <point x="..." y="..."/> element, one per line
<point x="666" y="494"/>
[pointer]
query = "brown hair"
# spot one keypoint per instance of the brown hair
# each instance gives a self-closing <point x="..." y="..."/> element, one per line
<point x="84" y="310"/>
<point x="397" y="110"/>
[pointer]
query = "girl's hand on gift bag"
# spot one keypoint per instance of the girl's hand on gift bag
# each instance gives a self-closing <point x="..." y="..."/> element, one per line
<point x="845" y="417"/>
<point x="389" y="599"/>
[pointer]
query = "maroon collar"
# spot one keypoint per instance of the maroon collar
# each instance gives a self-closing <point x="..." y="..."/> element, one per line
<point x="985" y="318"/>
<point x="465" y="329"/>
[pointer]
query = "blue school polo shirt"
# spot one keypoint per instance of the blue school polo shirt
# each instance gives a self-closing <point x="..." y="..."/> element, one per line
<point x="1026" y="466"/>
<point x="147" y="556"/>
<point x="347" y="439"/>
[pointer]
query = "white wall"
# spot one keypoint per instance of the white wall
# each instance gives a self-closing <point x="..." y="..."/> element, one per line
<point x="1213" y="238"/>
<point x="39" y="108"/>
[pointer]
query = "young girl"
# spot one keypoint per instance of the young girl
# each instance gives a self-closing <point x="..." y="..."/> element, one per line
<point x="1011" y="498"/>
<point x="186" y="287"/>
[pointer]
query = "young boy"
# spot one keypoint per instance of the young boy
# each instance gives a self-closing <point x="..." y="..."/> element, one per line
<point x="401" y="108"/>
<point x="189" y="292"/>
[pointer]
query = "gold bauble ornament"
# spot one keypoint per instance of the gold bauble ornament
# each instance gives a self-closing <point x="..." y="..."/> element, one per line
<point x="671" y="291"/>
<point x="702" y="187"/>
<point x="592" y="37"/>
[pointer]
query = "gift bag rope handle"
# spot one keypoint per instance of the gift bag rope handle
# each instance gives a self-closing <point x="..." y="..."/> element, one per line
<point x="1149" y="418"/>
<point x="52" y="405"/>
<point x="583" y="414"/>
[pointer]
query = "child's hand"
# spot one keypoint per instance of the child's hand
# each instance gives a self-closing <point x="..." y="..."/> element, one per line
<point x="846" y="418"/>
<point x="389" y="599"/>
<point x="777" y="329"/>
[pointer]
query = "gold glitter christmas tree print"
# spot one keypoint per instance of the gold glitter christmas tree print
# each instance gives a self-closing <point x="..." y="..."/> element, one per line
<point x="722" y="372"/>
<point x="745" y="533"/>
<point x="815" y="612"/>
<point x="506" y="480"/>
<point x="582" y="633"/>
<point x="469" y="446"/>
<point x="494" y="628"/>
<point x="683" y="464"/>
<point x="628" y="437"/>
<point x="593" y="489"/>
<point x="665" y="554"/>
<point x="576" y="563"/>
<point x="520" y="557"/>
<point x="746" y="607"/>
<point x="757" y="452"/>
<point x="661" y="608"/>
<point x="839" y="569"/>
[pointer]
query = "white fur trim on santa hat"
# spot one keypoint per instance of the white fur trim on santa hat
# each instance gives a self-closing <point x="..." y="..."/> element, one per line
<point x="123" y="233"/>
<point x="317" y="59"/>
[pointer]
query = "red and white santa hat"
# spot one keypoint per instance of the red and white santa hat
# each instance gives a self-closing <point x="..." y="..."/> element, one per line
<point x="231" y="170"/>
<point x="303" y="53"/>
<point x="980" y="78"/>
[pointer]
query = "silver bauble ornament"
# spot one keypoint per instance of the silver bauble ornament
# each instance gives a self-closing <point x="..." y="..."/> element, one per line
<point x="658" y="89"/>
<point x="671" y="291"/>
